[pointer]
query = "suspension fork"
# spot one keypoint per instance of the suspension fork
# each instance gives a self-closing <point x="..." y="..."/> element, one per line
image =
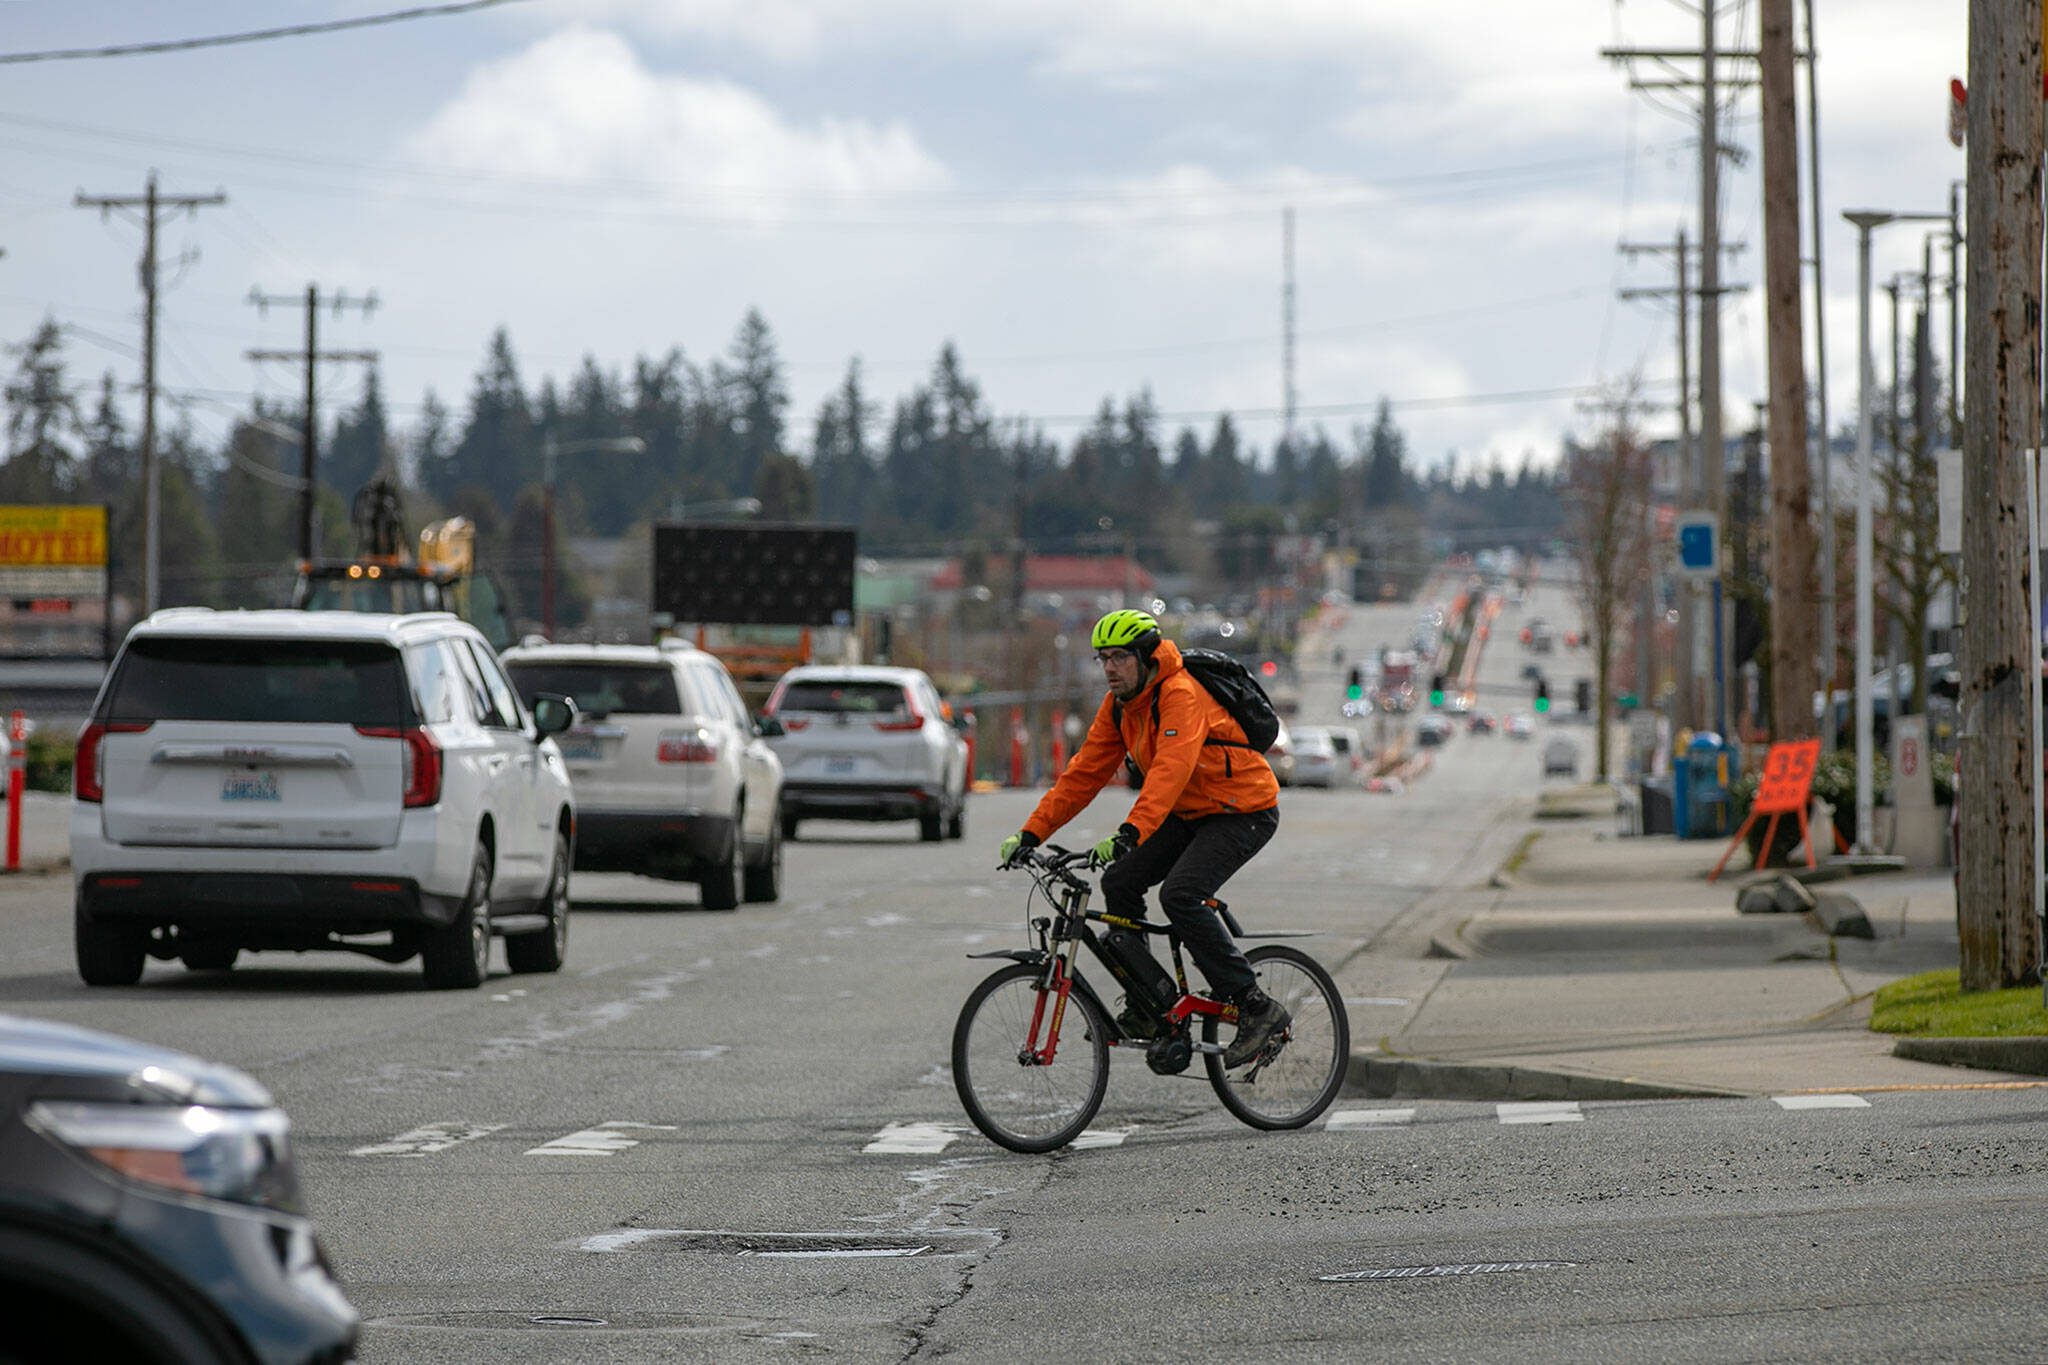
<point x="1059" y="984"/>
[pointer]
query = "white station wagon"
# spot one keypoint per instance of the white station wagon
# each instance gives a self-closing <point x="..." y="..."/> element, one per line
<point x="318" y="780"/>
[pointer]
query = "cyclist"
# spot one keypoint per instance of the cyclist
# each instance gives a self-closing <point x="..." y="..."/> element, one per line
<point x="1209" y="803"/>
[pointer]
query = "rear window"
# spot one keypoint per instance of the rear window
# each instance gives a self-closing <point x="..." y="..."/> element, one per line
<point x="342" y="682"/>
<point x="601" y="688"/>
<point x="857" y="698"/>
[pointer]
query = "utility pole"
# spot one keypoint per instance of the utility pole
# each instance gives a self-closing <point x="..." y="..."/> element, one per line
<point x="1825" y="434"/>
<point x="1955" y="295"/>
<point x="1791" y="574"/>
<point x="1998" y="887"/>
<point x="1287" y="327"/>
<point x="1711" y="485"/>
<point x="153" y="206"/>
<point x="309" y="449"/>
<point x="1682" y="662"/>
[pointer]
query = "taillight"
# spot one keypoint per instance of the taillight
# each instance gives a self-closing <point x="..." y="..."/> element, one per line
<point x="912" y="719"/>
<point x="792" y="723"/>
<point x="89" y="765"/>
<point x="686" y="746"/>
<point x="420" y="768"/>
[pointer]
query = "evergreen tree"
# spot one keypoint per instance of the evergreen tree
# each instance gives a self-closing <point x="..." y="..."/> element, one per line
<point x="1386" y="458"/>
<point x="496" y="451"/>
<point x="1224" y="482"/>
<point x="429" y="441"/>
<point x="758" y="396"/>
<point x="361" y="446"/>
<point x="112" y="464"/>
<point x="785" y="489"/>
<point x="43" y="426"/>
<point x="659" y="416"/>
<point x="840" y="463"/>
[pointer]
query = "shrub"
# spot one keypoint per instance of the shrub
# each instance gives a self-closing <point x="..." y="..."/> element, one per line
<point x="49" y="760"/>
<point x="1834" y="781"/>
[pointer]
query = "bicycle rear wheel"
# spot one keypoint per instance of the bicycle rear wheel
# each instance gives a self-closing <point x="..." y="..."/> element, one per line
<point x="1299" y="1083"/>
<point x="1018" y="1103"/>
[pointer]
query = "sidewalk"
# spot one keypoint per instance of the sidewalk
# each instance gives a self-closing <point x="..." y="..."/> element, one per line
<point x="1601" y="966"/>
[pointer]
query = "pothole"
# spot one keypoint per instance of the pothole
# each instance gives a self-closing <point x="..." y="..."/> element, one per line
<point x="792" y="1246"/>
<point x="501" y="1320"/>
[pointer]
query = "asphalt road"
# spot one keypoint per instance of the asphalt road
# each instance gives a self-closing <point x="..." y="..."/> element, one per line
<point x="625" y="1147"/>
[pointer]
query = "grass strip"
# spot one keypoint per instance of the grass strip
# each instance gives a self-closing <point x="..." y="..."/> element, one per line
<point x="1934" y="1005"/>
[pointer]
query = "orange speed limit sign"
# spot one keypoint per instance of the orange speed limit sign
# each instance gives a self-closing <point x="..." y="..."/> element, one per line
<point x="1787" y="778"/>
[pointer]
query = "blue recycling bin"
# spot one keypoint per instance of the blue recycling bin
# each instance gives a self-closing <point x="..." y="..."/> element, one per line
<point x="1700" y="805"/>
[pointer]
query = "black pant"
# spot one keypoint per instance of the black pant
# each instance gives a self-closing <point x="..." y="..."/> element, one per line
<point x="1189" y="860"/>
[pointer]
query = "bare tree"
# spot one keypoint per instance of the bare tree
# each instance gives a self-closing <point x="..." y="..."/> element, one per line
<point x="1606" y="487"/>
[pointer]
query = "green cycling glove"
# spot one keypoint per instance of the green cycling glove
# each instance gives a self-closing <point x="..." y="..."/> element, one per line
<point x="1008" y="850"/>
<point x="1115" y="846"/>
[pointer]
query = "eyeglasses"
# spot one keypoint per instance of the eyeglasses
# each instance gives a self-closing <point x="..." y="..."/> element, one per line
<point x="1114" y="656"/>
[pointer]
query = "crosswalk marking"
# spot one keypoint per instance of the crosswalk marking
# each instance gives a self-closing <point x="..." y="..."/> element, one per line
<point x="606" y="1139"/>
<point x="919" y="1139"/>
<point x="1820" y="1101"/>
<point x="1100" y="1137"/>
<point x="431" y="1137"/>
<point x="1368" y="1118"/>
<point x="1540" y="1111"/>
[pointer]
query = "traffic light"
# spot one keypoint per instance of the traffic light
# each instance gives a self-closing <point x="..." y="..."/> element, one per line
<point x="1542" y="697"/>
<point x="1436" y="689"/>
<point x="1354" y="687"/>
<point x="1585" y="695"/>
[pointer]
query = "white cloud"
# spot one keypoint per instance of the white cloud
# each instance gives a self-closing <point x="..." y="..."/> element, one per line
<point x="580" y="107"/>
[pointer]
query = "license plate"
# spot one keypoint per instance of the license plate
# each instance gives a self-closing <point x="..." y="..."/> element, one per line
<point x="839" y="764"/>
<point x="250" y="787"/>
<point x="581" y="750"/>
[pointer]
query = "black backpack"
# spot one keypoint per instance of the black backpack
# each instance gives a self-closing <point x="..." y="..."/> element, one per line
<point x="1233" y="687"/>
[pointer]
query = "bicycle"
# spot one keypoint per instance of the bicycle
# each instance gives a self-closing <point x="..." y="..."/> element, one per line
<point x="1025" y="1091"/>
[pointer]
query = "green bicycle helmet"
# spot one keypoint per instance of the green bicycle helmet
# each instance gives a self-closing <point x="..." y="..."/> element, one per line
<point x="1126" y="629"/>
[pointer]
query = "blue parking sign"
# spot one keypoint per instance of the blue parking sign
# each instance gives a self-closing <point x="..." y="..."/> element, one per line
<point x="1699" y="544"/>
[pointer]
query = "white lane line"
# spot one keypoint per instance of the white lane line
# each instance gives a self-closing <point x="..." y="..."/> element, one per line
<point x="1820" y="1101"/>
<point x="604" y="1140"/>
<point x="1540" y="1111"/>
<point x="431" y="1137"/>
<point x="1369" y="1118"/>
<point x="1099" y="1137"/>
<point x="919" y="1139"/>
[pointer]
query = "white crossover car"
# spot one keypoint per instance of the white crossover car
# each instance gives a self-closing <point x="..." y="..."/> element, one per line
<point x="866" y="742"/>
<point x="672" y="776"/>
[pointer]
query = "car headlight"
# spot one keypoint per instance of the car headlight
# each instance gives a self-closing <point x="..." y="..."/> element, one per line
<point x="241" y="1155"/>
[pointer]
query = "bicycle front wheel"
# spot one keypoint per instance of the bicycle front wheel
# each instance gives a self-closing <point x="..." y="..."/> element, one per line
<point x="1300" y="1082"/>
<point x="1017" y="1101"/>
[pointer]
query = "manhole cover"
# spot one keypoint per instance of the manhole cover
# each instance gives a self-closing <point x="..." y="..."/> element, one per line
<point x="498" y="1320"/>
<point x="791" y="1246"/>
<point x="1431" y="1272"/>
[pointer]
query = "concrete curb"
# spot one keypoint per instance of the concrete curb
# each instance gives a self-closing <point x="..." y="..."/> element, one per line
<point x="1376" y="1076"/>
<point x="1839" y="916"/>
<point x="2027" y="1056"/>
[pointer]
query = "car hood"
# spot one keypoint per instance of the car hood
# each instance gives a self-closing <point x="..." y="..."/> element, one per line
<point x="149" y="1074"/>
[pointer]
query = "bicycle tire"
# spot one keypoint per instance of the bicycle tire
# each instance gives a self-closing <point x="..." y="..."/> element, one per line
<point x="1027" y="1108"/>
<point x="1303" y="1080"/>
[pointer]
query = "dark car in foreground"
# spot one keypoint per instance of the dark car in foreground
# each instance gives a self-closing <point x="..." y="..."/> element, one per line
<point x="149" y="1211"/>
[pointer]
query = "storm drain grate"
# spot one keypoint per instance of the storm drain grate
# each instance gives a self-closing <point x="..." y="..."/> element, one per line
<point x="1431" y="1272"/>
<point x="792" y="1246"/>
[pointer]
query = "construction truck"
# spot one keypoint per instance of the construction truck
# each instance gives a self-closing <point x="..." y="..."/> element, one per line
<point x="386" y="575"/>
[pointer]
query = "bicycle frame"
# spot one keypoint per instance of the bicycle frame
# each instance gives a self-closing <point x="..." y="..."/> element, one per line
<point x="1060" y="937"/>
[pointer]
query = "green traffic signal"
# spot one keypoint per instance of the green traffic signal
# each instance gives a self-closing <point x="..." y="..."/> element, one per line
<point x="1543" y="704"/>
<point x="1354" y="692"/>
<point x="1436" y="699"/>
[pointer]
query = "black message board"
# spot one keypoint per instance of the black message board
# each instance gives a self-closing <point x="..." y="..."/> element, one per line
<point x="753" y="574"/>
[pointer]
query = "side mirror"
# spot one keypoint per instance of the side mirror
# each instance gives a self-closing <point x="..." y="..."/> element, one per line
<point x="553" y="713"/>
<point x="767" y="727"/>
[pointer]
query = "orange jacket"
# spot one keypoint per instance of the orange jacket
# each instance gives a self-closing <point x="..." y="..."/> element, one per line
<point x="1183" y="775"/>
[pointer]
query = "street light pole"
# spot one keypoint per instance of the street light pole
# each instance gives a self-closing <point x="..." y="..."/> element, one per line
<point x="1867" y="221"/>
<point x="549" y="449"/>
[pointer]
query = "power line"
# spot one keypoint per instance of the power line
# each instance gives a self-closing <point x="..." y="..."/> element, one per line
<point x="67" y="54"/>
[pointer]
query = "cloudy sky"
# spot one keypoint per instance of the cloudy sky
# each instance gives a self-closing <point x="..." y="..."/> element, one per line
<point x="1084" y="195"/>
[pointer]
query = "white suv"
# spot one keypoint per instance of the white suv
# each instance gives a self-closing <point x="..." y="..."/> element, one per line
<point x="672" y="779"/>
<point x="318" y="780"/>
<point x="865" y="742"/>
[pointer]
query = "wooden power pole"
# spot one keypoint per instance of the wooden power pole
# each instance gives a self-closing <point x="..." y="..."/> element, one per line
<point x="1999" y="756"/>
<point x="1793" y="620"/>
